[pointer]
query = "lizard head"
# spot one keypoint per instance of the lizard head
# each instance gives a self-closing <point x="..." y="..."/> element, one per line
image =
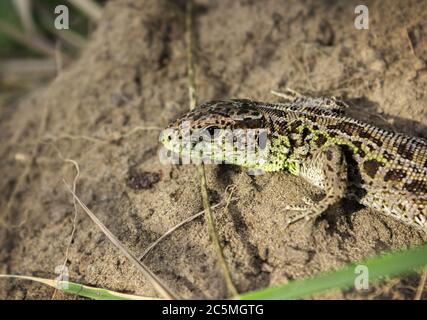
<point x="226" y="131"/>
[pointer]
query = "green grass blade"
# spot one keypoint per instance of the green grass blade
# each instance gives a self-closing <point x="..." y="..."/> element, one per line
<point x="381" y="266"/>
<point x="81" y="290"/>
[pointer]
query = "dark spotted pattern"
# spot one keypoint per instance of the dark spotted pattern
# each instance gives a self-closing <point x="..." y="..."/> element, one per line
<point x="321" y="140"/>
<point x="349" y="128"/>
<point x="329" y="155"/>
<point x="371" y="167"/>
<point x="388" y="156"/>
<point x="371" y="135"/>
<point x="416" y="186"/>
<point x="360" y="151"/>
<point x="395" y="175"/>
<point x="406" y="150"/>
<point x="295" y="125"/>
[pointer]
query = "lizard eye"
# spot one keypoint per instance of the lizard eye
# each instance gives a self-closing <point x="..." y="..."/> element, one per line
<point x="213" y="131"/>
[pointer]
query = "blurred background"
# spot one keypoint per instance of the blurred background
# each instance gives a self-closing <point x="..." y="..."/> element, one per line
<point x="32" y="50"/>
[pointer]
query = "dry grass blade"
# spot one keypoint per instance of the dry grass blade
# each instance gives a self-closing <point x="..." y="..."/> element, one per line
<point x="212" y="232"/>
<point x="164" y="291"/>
<point x="24" y="9"/>
<point x="91" y="8"/>
<point x="25" y="67"/>
<point x="155" y="243"/>
<point x="80" y="289"/>
<point x="73" y="231"/>
<point x="27" y="40"/>
<point x="421" y="285"/>
<point x="200" y="168"/>
<point x="175" y="227"/>
<point x="190" y="60"/>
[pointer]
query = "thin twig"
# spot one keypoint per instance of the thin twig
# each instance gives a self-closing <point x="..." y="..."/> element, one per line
<point x="177" y="226"/>
<point x="158" y="285"/>
<point x="200" y="168"/>
<point x="24" y="9"/>
<point x="421" y="285"/>
<point x="73" y="231"/>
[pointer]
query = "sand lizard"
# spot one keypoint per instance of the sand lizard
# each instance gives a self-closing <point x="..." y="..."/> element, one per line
<point x="313" y="138"/>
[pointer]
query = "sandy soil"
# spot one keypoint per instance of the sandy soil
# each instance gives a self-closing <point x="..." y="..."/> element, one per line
<point x="133" y="74"/>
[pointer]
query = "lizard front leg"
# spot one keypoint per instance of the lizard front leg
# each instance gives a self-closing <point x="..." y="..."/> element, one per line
<point x="328" y="169"/>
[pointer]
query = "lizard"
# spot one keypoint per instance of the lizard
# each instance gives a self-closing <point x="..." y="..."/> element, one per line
<point x="312" y="137"/>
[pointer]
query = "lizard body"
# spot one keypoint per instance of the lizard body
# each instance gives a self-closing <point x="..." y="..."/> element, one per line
<point x="312" y="138"/>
